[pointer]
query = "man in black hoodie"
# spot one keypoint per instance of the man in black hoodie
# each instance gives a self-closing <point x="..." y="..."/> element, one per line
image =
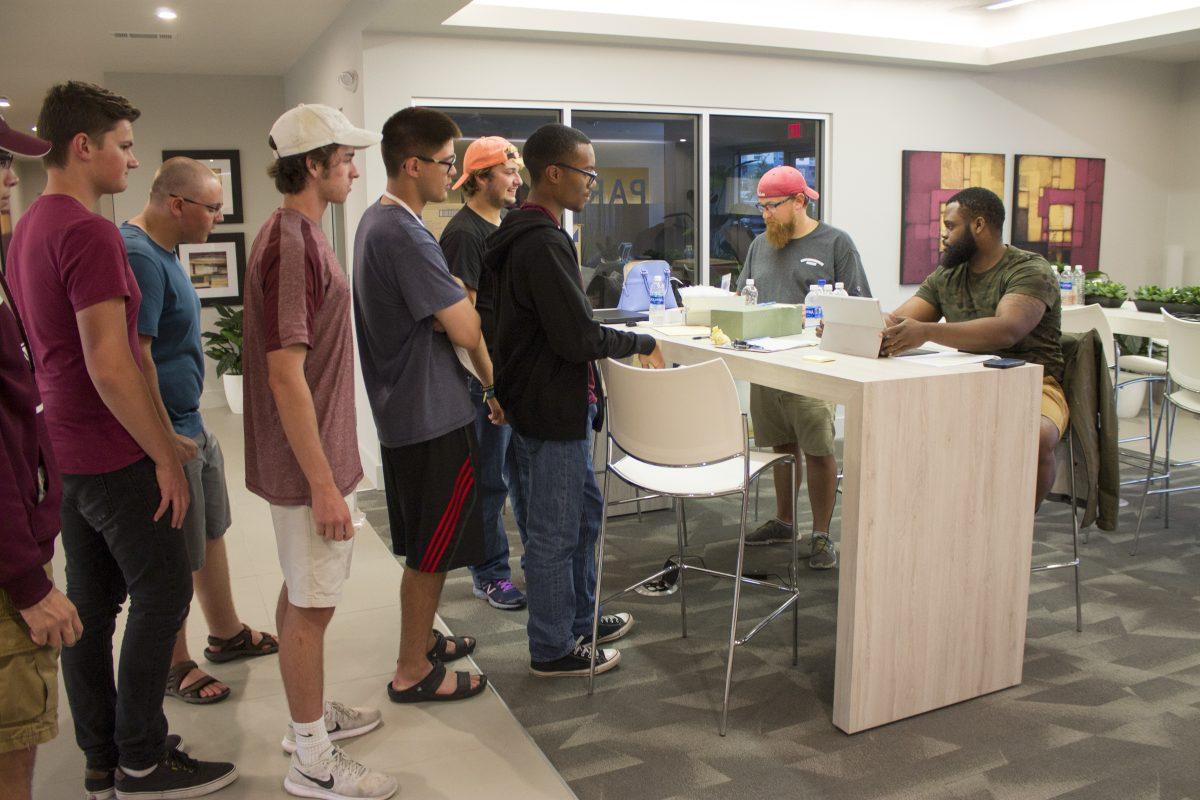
<point x="545" y="344"/>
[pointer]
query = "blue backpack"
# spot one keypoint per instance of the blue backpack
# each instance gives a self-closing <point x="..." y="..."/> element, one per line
<point x="635" y="294"/>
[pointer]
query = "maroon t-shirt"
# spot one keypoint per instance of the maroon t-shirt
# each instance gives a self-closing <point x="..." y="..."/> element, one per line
<point x="64" y="259"/>
<point x="296" y="293"/>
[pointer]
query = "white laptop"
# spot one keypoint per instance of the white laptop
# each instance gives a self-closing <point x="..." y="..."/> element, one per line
<point x="853" y="325"/>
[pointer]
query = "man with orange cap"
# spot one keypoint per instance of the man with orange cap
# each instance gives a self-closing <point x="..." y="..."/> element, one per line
<point x="794" y="253"/>
<point x="490" y="180"/>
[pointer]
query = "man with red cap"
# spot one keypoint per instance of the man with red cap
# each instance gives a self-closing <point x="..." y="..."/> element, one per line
<point x="794" y="253"/>
<point x="490" y="179"/>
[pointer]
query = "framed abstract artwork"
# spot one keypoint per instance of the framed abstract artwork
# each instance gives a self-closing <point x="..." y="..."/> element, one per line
<point x="1057" y="207"/>
<point x="216" y="268"/>
<point x="227" y="166"/>
<point x="928" y="179"/>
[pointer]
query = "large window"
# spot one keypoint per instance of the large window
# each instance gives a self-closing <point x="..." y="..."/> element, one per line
<point x="741" y="149"/>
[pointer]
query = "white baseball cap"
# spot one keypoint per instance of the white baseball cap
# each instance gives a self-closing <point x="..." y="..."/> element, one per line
<point x="309" y="126"/>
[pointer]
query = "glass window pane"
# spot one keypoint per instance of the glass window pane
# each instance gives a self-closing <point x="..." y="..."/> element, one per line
<point x="741" y="149"/>
<point x="644" y="203"/>
<point x="514" y="124"/>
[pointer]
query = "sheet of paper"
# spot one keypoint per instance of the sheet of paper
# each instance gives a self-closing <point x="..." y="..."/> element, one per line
<point x="947" y="358"/>
<point x="769" y="344"/>
<point x="683" y="330"/>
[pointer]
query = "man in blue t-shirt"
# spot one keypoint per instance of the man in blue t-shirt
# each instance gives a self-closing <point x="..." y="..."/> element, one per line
<point x="185" y="203"/>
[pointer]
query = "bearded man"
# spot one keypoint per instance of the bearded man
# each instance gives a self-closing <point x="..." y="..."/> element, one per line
<point x="795" y="252"/>
<point x="996" y="299"/>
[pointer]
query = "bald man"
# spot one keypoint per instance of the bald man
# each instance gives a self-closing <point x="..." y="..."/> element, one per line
<point x="185" y="202"/>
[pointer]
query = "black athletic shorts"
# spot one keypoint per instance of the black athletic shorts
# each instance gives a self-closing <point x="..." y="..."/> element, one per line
<point x="433" y="504"/>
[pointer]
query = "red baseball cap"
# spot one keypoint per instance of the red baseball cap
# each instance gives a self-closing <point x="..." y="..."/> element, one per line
<point x="21" y="144"/>
<point x="485" y="152"/>
<point x="781" y="181"/>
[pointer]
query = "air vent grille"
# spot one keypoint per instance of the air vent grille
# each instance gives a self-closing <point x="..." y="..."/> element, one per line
<point x="137" y="35"/>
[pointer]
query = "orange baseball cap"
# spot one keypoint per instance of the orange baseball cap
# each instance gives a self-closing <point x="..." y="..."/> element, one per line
<point x="487" y="151"/>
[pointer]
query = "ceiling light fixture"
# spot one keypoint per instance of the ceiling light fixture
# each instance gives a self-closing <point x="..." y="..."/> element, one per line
<point x="166" y="14"/>
<point x="5" y="102"/>
<point x="1003" y="4"/>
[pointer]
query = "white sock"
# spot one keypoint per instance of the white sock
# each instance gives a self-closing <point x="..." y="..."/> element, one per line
<point x="139" y="773"/>
<point x="312" y="741"/>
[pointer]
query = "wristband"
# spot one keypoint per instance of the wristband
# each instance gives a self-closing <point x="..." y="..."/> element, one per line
<point x="489" y="393"/>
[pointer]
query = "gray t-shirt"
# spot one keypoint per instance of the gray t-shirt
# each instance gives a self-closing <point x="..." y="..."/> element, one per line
<point x="784" y="275"/>
<point x="417" y="388"/>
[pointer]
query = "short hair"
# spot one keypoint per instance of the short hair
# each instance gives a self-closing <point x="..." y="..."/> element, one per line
<point x="290" y="173"/>
<point x="548" y="145"/>
<point x="178" y="176"/>
<point x="414" y="131"/>
<point x="77" y="107"/>
<point x="979" y="202"/>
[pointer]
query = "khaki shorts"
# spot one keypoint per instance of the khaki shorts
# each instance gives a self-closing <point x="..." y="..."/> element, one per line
<point x="28" y="683"/>
<point x="314" y="568"/>
<point x="783" y="418"/>
<point x="1054" y="405"/>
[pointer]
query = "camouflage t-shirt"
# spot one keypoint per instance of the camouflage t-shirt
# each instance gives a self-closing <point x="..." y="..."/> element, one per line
<point x="959" y="296"/>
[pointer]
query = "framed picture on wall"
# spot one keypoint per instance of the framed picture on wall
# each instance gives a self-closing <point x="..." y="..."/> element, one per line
<point x="227" y="166"/>
<point x="1057" y="208"/>
<point x="216" y="268"/>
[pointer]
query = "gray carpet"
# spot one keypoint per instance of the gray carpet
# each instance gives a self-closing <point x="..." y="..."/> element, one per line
<point x="1113" y="712"/>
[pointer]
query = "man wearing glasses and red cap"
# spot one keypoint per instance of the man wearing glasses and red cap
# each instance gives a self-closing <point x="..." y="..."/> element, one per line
<point x="794" y="253"/>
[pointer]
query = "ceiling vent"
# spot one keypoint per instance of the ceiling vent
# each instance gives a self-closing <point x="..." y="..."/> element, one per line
<point x="136" y="35"/>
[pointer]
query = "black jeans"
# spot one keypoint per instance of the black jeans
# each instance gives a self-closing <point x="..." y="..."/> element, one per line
<point x="115" y="549"/>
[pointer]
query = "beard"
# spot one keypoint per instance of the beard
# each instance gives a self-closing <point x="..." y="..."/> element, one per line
<point x="780" y="233"/>
<point x="959" y="252"/>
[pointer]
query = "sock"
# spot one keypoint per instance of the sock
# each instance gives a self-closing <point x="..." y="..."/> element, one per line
<point x="312" y="741"/>
<point x="139" y="773"/>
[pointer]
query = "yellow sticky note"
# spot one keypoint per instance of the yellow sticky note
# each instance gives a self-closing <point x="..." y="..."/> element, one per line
<point x="820" y="358"/>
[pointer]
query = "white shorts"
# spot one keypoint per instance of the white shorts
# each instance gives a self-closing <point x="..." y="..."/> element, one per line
<point x="314" y="568"/>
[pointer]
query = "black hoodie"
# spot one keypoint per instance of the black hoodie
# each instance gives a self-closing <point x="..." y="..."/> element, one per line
<point x="545" y="337"/>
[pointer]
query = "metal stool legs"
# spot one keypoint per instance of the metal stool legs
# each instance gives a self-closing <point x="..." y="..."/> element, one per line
<point x="1074" y="562"/>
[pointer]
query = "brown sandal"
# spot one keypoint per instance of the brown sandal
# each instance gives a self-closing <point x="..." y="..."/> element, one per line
<point x="192" y="693"/>
<point x="240" y="646"/>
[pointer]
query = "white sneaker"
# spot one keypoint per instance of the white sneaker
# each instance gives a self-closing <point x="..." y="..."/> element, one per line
<point x="342" y="722"/>
<point x="338" y="777"/>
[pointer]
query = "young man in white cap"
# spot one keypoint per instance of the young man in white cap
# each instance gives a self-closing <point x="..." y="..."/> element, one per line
<point x="490" y="179"/>
<point x="301" y="438"/>
<point x="795" y="252"/>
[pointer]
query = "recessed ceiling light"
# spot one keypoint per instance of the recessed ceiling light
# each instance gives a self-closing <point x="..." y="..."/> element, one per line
<point x="165" y="13"/>
<point x="1003" y="4"/>
<point x="683" y="140"/>
<point x="5" y="102"/>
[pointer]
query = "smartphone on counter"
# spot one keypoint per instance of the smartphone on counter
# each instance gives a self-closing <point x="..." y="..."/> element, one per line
<point x="1003" y="363"/>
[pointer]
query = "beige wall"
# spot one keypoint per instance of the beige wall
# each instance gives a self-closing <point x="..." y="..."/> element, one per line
<point x="1183" y="217"/>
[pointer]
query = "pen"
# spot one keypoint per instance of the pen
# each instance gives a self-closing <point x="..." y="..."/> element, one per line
<point x="699" y="337"/>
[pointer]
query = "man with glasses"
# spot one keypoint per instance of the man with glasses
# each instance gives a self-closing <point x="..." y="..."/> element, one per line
<point x="545" y="345"/>
<point x="185" y="202"/>
<point x="793" y="254"/>
<point x="410" y="313"/>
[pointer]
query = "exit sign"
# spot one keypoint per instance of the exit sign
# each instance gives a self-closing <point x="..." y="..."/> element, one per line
<point x="795" y="130"/>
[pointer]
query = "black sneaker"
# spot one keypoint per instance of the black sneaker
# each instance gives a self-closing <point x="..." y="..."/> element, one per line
<point x="99" y="784"/>
<point x="176" y="777"/>
<point x="612" y="627"/>
<point x="576" y="663"/>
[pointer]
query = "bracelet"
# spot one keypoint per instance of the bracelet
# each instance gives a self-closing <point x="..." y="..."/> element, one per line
<point x="489" y="393"/>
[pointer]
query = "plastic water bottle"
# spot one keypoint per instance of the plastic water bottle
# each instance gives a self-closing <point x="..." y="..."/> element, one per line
<point x="658" y="301"/>
<point x="1078" y="284"/>
<point x="1066" y="289"/>
<point x="750" y="292"/>
<point x="812" y="307"/>
<point x="839" y="289"/>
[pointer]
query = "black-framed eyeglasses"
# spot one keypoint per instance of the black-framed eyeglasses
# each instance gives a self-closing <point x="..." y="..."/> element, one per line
<point x="6" y="159"/>
<point x="448" y="163"/>
<point x="215" y="210"/>
<point x="591" y="176"/>
<point x="773" y="206"/>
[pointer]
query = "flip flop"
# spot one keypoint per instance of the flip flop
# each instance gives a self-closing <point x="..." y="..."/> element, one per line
<point x="240" y="645"/>
<point x="426" y="690"/>
<point x="192" y="693"/>
<point x="463" y="647"/>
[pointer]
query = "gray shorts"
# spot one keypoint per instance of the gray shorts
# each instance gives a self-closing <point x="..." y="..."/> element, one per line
<point x="208" y="515"/>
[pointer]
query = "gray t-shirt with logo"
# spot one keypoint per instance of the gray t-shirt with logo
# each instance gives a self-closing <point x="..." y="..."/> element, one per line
<point x="784" y="275"/>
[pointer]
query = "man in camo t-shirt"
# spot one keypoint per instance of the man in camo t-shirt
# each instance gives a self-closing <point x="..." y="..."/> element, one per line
<point x="996" y="299"/>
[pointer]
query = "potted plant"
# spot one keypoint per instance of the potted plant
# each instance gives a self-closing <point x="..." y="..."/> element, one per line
<point x="1108" y="294"/>
<point x="1151" y="298"/>
<point x="224" y="345"/>
<point x="1185" y="300"/>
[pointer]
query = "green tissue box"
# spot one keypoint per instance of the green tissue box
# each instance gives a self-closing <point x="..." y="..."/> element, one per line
<point x="753" y="322"/>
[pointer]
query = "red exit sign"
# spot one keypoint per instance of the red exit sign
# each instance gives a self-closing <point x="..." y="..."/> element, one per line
<point x="795" y="130"/>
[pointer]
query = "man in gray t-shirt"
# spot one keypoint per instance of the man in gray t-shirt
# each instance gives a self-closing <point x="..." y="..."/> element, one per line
<point x="795" y="252"/>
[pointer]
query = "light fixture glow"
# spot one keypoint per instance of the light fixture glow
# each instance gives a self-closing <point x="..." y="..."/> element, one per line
<point x="34" y="129"/>
<point x="1003" y="4"/>
<point x="166" y="14"/>
<point x="5" y="102"/>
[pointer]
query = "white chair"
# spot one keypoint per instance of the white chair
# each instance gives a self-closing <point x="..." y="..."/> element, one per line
<point x="1183" y="391"/>
<point x="678" y="447"/>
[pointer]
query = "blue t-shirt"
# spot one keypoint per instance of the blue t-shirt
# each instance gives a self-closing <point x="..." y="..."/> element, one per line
<point x="417" y="387"/>
<point x="170" y="313"/>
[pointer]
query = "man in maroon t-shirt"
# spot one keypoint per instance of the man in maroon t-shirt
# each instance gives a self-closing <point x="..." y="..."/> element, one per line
<point x="124" y="491"/>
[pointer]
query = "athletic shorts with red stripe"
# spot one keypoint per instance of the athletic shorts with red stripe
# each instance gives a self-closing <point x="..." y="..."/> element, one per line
<point x="433" y="504"/>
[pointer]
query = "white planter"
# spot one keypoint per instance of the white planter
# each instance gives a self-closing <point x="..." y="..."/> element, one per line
<point x="233" y="392"/>
<point x="1130" y="399"/>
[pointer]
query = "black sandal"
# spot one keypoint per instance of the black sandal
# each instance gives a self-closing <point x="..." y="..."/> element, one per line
<point x="426" y="690"/>
<point x="463" y="647"/>
<point x="192" y="693"/>
<point x="240" y="645"/>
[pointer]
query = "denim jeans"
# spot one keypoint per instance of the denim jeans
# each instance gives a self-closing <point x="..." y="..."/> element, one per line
<point x="496" y="478"/>
<point x="115" y="549"/>
<point x="564" y="508"/>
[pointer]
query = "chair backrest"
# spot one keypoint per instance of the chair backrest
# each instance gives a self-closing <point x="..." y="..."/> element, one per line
<point x="1183" y="361"/>
<point x="674" y="417"/>
<point x="1082" y="319"/>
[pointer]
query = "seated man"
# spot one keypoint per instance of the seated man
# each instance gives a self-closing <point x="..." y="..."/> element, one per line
<point x="996" y="299"/>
